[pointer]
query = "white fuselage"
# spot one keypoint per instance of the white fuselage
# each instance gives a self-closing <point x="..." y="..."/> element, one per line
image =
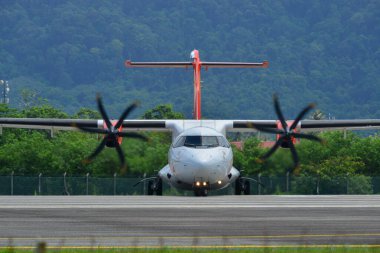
<point x="199" y="157"/>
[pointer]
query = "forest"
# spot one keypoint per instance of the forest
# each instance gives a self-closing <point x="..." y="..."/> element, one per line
<point x="57" y="55"/>
<point x="30" y="152"/>
<point x="319" y="51"/>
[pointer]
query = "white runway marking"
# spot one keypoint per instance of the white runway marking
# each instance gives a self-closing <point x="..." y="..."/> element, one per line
<point x="230" y="202"/>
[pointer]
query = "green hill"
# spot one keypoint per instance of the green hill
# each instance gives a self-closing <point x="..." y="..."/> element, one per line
<point x="322" y="51"/>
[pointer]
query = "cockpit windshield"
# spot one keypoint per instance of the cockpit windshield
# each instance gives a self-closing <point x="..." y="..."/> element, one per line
<point x="201" y="142"/>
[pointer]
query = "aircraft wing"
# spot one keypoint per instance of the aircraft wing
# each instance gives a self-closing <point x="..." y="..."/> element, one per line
<point x="356" y="124"/>
<point x="73" y="124"/>
<point x="179" y="125"/>
<point x="310" y="125"/>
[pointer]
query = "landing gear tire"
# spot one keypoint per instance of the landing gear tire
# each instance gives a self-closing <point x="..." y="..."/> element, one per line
<point x="159" y="187"/>
<point x="247" y="188"/>
<point x="150" y="188"/>
<point x="155" y="187"/>
<point x="201" y="192"/>
<point x="242" y="186"/>
<point x="238" y="187"/>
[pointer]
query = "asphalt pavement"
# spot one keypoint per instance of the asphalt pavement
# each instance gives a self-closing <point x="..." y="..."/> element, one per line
<point x="221" y="221"/>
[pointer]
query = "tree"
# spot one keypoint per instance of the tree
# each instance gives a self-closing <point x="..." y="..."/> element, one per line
<point x="7" y="112"/>
<point x="163" y="111"/>
<point x="30" y="98"/>
<point x="248" y="158"/>
<point x="44" y="111"/>
<point x="86" y="113"/>
<point x="317" y="115"/>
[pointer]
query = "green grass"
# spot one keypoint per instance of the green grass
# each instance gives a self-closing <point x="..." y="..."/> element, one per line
<point x="256" y="249"/>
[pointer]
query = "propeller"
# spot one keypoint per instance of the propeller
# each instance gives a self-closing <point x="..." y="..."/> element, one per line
<point x="287" y="133"/>
<point x="111" y="133"/>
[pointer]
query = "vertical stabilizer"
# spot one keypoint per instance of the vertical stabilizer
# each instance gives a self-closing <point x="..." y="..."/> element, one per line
<point x="197" y="67"/>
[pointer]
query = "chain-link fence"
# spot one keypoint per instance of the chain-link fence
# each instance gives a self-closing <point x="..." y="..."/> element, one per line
<point x="87" y="185"/>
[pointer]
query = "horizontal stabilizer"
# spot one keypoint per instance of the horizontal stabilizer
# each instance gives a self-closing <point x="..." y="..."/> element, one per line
<point x="264" y="64"/>
<point x="130" y="64"/>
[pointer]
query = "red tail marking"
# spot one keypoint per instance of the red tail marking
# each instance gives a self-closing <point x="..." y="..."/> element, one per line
<point x="197" y="65"/>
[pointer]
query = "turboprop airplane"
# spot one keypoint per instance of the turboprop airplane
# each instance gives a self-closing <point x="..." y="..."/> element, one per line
<point x="200" y="158"/>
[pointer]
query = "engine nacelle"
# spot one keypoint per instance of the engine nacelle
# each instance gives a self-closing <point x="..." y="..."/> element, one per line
<point x="112" y="142"/>
<point x="285" y="142"/>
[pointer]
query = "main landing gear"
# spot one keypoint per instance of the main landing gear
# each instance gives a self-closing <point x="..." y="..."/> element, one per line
<point x="155" y="187"/>
<point x="242" y="186"/>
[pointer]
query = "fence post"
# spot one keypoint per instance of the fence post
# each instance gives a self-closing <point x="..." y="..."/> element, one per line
<point x="318" y="183"/>
<point x="65" y="185"/>
<point x="287" y="182"/>
<point x="259" y="184"/>
<point x="144" y="188"/>
<point x="12" y="182"/>
<point x="39" y="184"/>
<point x="114" y="183"/>
<point x="87" y="175"/>
<point x="347" y="182"/>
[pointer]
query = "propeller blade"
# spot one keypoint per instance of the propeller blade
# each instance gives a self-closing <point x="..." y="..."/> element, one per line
<point x="273" y="149"/>
<point x="294" y="154"/>
<point x="301" y="115"/>
<point x="103" y="112"/>
<point x="133" y="135"/>
<point x="278" y="112"/>
<point x="308" y="136"/>
<point x="97" y="150"/>
<point x="121" y="155"/>
<point x="93" y="130"/>
<point x="287" y="133"/>
<point x="125" y="114"/>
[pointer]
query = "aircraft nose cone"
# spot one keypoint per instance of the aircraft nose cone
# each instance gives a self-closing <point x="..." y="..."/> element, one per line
<point x="203" y="160"/>
<point x="201" y="164"/>
<point x="207" y="165"/>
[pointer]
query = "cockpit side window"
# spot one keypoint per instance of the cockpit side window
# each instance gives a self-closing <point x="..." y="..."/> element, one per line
<point x="179" y="142"/>
<point x="223" y="142"/>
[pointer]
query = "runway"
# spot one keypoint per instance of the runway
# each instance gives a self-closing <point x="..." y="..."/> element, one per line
<point x="220" y="221"/>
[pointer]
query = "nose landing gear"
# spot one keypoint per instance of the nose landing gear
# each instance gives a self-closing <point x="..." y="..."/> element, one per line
<point x="201" y="192"/>
<point x="201" y="187"/>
